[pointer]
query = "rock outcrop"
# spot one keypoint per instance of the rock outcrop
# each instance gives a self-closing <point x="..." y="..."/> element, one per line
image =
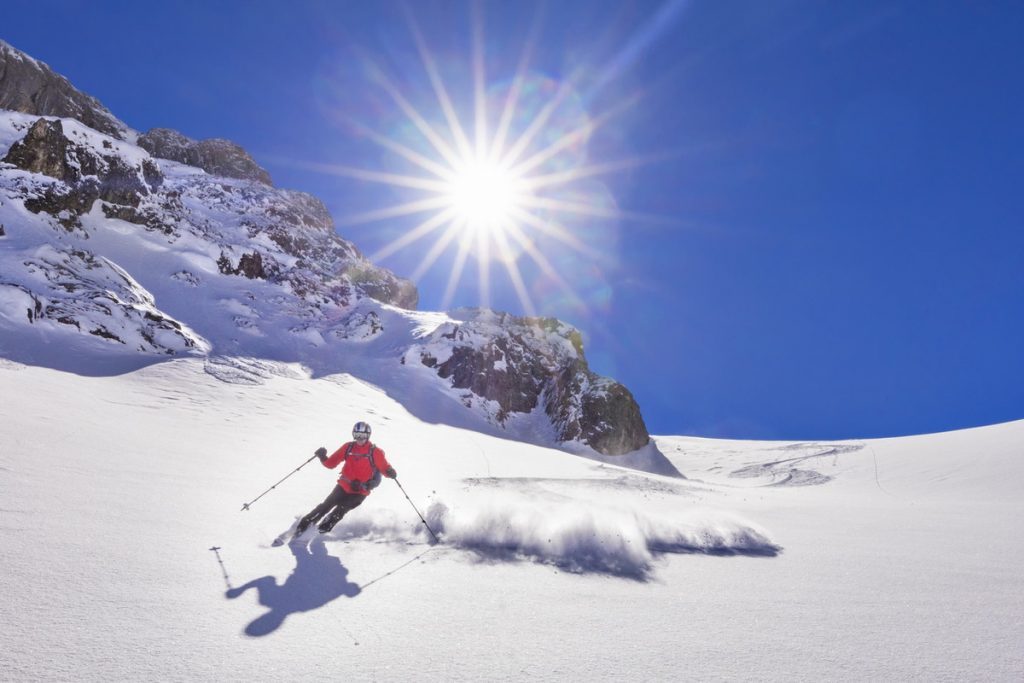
<point x="31" y="87"/>
<point x="278" y="236"/>
<point x="85" y="174"/>
<point x="595" y="410"/>
<point x="523" y="364"/>
<point x="216" y="156"/>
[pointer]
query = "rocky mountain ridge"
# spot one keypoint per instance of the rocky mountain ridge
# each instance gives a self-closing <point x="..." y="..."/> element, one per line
<point x="32" y="87"/>
<point x="216" y="156"/>
<point x="110" y="247"/>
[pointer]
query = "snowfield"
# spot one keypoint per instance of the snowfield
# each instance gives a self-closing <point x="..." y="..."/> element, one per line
<point x="127" y="557"/>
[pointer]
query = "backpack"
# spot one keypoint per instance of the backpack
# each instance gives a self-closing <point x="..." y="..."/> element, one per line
<point x="374" y="480"/>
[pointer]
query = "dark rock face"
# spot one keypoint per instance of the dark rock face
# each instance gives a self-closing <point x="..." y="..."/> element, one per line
<point x="85" y="176"/>
<point x="477" y="369"/>
<point x="224" y="158"/>
<point x="523" y="363"/>
<point x="31" y="87"/>
<point x="215" y="156"/>
<point x="251" y="266"/>
<point x="44" y="150"/>
<point x="168" y="144"/>
<point x="595" y="410"/>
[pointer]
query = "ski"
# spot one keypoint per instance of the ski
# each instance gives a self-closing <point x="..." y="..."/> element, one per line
<point x="286" y="537"/>
<point x="289" y="536"/>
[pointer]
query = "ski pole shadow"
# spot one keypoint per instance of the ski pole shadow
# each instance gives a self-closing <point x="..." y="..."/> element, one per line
<point x="399" y="568"/>
<point x="318" y="578"/>
<point x="223" y="570"/>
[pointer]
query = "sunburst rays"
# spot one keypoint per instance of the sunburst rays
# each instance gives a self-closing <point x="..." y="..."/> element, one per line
<point x="492" y="190"/>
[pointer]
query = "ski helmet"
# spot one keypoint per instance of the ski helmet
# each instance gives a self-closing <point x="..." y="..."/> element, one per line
<point x="361" y="431"/>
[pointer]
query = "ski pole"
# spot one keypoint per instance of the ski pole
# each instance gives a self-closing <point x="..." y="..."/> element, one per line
<point x="436" y="539"/>
<point x="245" y="506"/>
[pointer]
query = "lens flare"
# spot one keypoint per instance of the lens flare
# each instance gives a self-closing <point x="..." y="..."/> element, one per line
<point x="508" y="191"/>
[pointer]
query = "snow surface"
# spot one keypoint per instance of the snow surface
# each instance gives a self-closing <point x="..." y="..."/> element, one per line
<point x="127" y="557"/>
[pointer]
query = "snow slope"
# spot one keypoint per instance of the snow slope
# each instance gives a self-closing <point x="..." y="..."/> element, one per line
<point x="893" y="559"/>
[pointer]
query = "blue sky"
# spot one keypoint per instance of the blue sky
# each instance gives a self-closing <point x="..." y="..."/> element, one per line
<point x="818" y="233"/>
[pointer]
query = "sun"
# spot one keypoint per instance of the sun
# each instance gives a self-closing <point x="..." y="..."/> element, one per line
<point x="501" y="190"/>
<point x="485" y="196"/>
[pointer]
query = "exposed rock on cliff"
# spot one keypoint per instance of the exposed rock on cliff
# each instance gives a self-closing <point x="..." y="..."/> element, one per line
<point x="31" y="87"/>
<point x="85" y="173"/>
<point x="216" y="156"/>
<point x="522" y="364"/>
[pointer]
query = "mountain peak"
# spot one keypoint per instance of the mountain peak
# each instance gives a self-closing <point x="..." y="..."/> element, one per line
<point x="30" y="86"/>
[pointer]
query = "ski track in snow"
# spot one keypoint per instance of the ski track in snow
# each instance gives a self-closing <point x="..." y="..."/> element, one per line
<point x="786" y="473"/>
<point x="249" y="371"/>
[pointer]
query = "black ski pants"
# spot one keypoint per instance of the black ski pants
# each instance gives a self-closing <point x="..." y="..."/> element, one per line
<point x="338" y="500"/>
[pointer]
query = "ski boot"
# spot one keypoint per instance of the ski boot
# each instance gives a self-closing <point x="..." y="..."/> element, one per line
<point x="330" y="521"/>
<point x="301" y="528"/>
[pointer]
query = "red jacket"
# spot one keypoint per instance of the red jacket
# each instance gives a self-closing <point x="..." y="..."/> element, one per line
<point x="357" y="464"/>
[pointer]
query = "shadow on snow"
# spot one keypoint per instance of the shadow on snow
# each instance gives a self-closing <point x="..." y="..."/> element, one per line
<point x="609" y="564"/>
<point x="318" y="578"/>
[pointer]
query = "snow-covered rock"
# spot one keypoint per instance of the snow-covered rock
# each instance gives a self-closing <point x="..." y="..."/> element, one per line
<point x="216" y="156"/>
<point x="171" y="247"/>
<point x="80" y="208"/>
<point x="113" y="172"/>
<point x="523" y="363"/>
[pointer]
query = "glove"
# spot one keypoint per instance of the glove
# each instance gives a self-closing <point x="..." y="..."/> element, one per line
<point x="390" y="473"/>
<point x="356" y="486"/>
<point x="321" y="453"/>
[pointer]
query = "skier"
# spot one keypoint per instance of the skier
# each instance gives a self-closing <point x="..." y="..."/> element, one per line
<point x="364" y="464"/>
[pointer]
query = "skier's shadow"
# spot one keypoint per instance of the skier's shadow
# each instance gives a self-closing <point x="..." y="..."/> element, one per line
<point x="318" y="579"/>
